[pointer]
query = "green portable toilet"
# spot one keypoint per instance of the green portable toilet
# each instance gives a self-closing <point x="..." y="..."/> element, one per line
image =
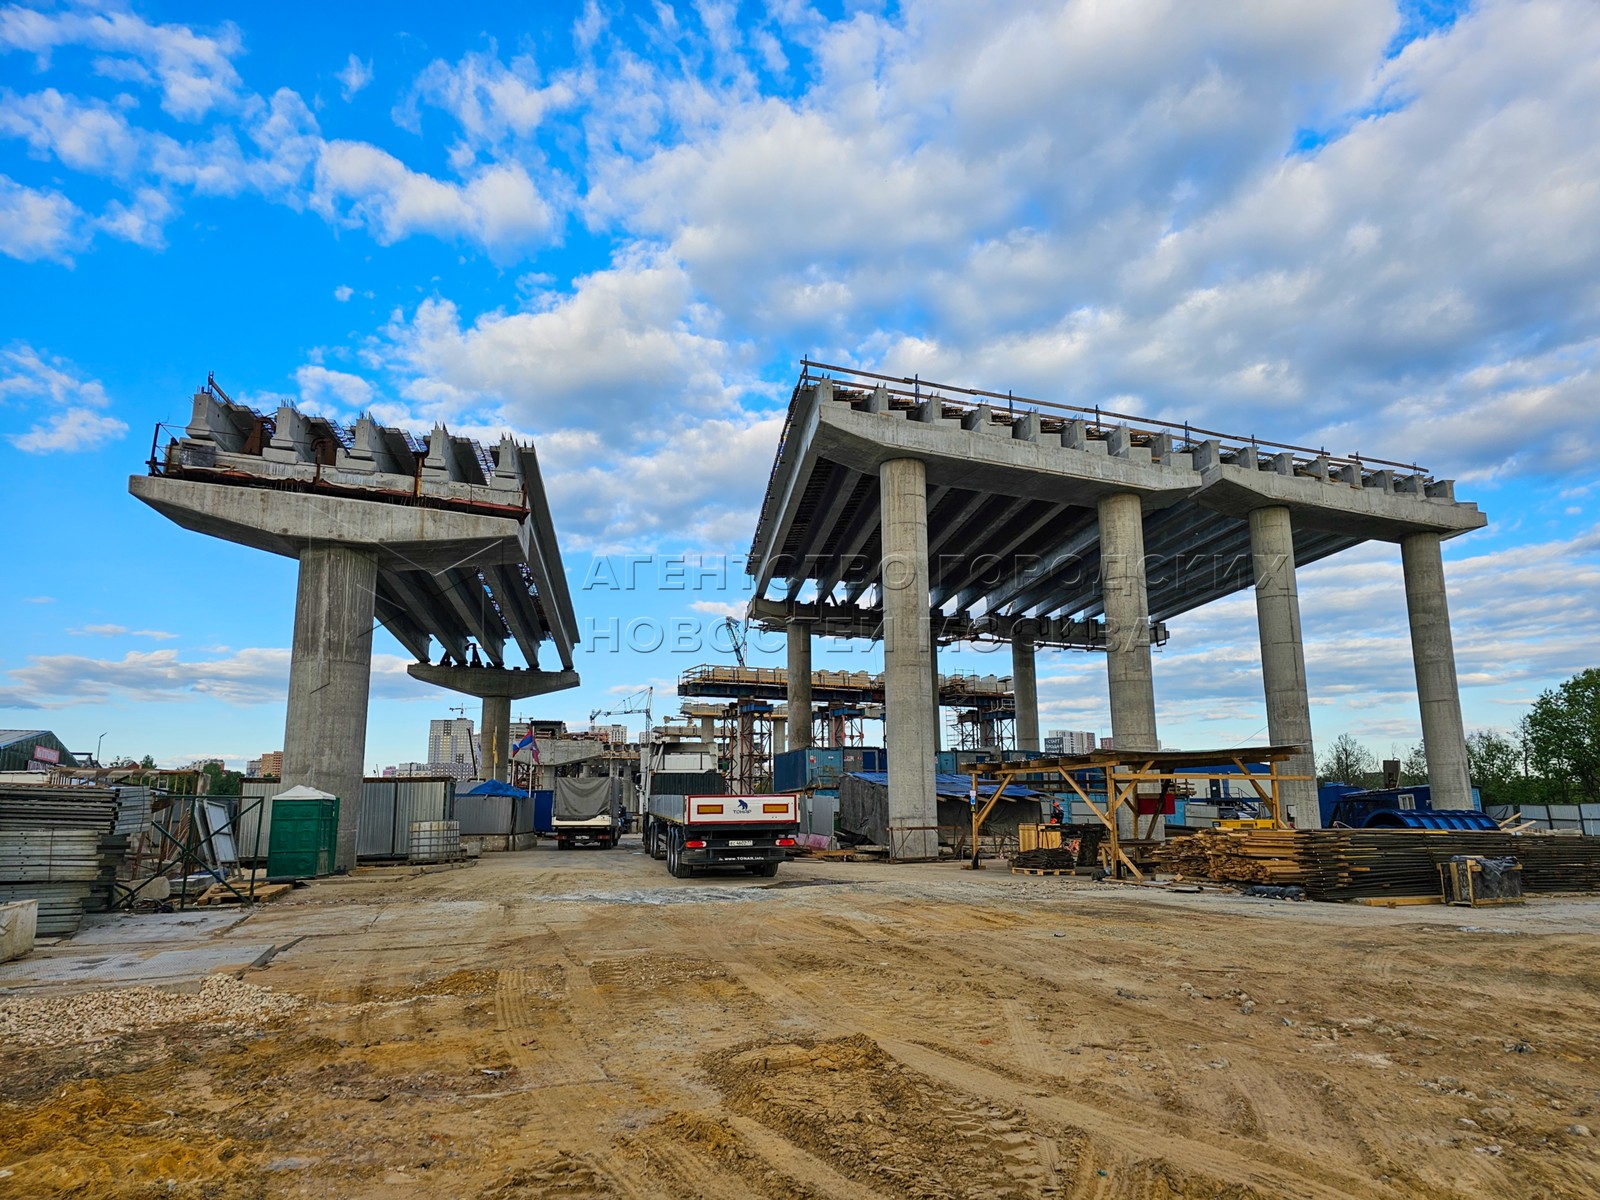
<point x="305" y="824"/>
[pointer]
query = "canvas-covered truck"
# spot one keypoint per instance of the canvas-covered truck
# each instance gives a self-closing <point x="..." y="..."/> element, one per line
<point x="585" y="812"/>
<point x="752" y="832"/>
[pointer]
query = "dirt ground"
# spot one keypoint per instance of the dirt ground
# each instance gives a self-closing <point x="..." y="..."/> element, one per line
<point x="581" y="1024"/>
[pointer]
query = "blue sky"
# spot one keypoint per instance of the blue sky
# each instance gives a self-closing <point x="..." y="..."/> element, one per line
<point x="616" y="228"/>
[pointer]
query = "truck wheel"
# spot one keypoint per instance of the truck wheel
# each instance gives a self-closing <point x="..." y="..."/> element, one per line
<point x="675" y="863"/>
<point x="768" y="869"/>
<point x="652" y="841"/>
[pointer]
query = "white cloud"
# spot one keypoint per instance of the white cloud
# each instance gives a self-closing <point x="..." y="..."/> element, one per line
<point x="719" y="608"/>
<point x="141" y="222"/>
<point x="72" y="429"/>
<point x="37" y="224"/>
<point x="625" y="344"/>
<point x="245" y="677"/>
<point x="323" y="389"/>
<point x="498" y="206"/>
<point x="159" y="635"/>
<point x="193" y="70"/>
<point x="489" y="100"/>
<point x="71" y="420"/>
<point x="354" y="76"/>
<point x="343" y="292"/>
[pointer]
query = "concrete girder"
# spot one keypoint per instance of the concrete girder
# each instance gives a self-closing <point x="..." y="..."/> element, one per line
<point x="796" y="459"/>
<point x="526" y="625"/>
<point x="397" y="619"/>
<point x="1069" y="554"/>
<point x="1008" y="550"/>
<point x="998" y="513"/>
<point x="853" y="540"/>
<point x="467" y="597"/>
<point x="841" y="488"/>
<point x="551" y="583"/>
<point x="416" y="591"/>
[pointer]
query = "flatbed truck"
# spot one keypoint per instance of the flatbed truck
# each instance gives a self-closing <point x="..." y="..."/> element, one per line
<point x="754" y="833"/>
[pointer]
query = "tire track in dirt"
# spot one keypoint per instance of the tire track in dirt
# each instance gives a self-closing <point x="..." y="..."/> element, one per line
<point x="1129" y="1142"/>
<point x="539" y="1040"/>
<point x="1125" y="1137"/>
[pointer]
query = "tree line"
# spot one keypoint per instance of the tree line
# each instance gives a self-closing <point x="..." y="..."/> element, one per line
<point x="1551" y="757"/>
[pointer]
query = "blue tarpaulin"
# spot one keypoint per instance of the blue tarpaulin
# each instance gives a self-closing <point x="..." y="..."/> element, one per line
<point x="493" y="787"/>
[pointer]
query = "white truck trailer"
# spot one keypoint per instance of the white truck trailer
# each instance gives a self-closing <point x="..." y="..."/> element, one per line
<point x="754" y="833"/>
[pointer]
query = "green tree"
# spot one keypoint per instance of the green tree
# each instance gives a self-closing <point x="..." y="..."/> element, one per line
<point x="1413" y="765"/>
<point x="148" y="763"/>
<point x="1348" y="761"/>
<point x="1562" y="736"/>
<point x="1496" y="765"/>
<point x="223" y="781"/>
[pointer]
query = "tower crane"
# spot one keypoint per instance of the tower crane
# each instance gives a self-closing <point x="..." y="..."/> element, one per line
<point x="738" y="637"/>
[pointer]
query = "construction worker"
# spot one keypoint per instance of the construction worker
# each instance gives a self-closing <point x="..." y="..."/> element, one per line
<point x="1057" y="814"/>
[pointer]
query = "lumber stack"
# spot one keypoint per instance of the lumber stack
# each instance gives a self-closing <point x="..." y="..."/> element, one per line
<point x="1361" y="864"/>
<point x="1236" y="856"/>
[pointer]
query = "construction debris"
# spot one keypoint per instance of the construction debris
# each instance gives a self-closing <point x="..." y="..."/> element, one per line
<point x="89" y="1016"/>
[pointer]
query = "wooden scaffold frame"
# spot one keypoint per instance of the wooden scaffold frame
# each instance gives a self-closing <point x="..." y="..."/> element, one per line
<point x="1124" y="772"/>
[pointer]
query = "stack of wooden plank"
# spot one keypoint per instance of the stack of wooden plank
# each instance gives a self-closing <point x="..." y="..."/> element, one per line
<point x="1358" y="864"/>
<point x="1236" y="856"/>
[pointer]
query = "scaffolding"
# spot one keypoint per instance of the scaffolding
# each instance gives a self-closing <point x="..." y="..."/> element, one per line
<point x="748" y="734"/>
<point x="1128" y="780"/>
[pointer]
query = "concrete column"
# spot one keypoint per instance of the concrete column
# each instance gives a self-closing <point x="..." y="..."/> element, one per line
<point x="798" y="638"/>
<point x="330" y="670"/>
<point x="1283" y="659"/>
<point x="1133" y="698"/>
<point x="907" y="672"/>
<point x="780" y="733"/>
<point x="708" y="733"/>
<point x="1433" y="653"/>
<point x="1025" y="686"/>
<point x="496" y="737"/>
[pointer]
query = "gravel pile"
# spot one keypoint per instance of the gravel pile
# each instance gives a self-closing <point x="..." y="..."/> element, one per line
<point x="88" y="1016"/>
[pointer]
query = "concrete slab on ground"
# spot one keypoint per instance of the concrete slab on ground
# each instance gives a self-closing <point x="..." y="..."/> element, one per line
<point x="66" y="969"/>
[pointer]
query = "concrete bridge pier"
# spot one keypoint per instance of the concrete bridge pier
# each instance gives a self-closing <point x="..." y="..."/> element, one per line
<point x="1433" y="655"/>
<point x="907" y="669"/>
<point x="330" y="669"/>
<point x="1283" y="659"/>
<point x="1025" y="686"/>
<point x="1127" y="605"/>
<point x="797" y="639"/>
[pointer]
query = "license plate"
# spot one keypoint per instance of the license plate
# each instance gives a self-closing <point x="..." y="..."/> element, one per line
<point x="736" y="842"/>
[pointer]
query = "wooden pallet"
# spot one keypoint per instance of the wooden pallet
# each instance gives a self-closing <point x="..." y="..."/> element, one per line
<point x="1040" y="871"/>
<point x="217" y="894"/>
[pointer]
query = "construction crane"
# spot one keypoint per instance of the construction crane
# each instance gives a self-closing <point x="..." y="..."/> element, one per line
<point x="632" y="704"/>
<point x="738" y="636"/>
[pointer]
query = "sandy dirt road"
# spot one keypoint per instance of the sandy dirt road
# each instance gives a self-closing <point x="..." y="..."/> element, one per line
<point x="581" y="1024"/>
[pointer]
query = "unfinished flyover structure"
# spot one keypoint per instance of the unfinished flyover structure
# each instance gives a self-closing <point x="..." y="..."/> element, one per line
<point x="922" y="514"/>
<point x="437" y="539"/>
